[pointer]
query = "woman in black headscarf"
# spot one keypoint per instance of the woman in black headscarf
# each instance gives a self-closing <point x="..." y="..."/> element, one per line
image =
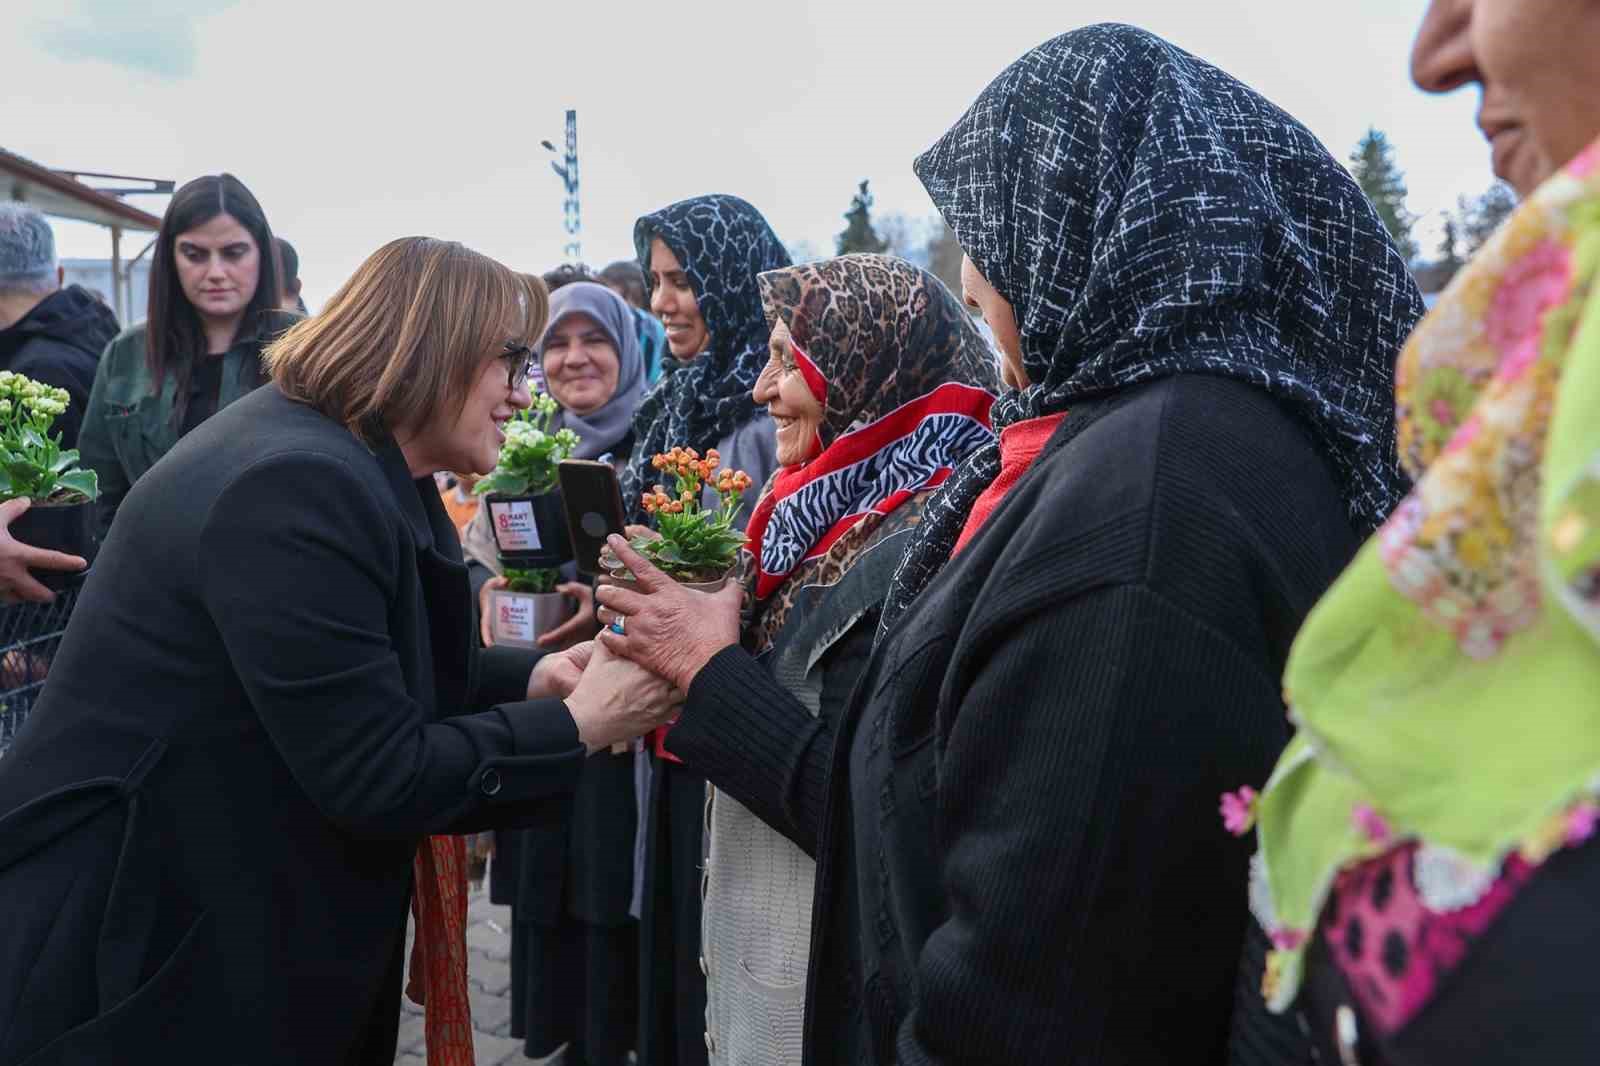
<point x="700" y="257"/>
<point x="1016" y="837"/>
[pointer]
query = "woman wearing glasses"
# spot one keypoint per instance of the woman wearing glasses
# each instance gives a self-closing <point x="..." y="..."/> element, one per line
<point x="269" y="695"/>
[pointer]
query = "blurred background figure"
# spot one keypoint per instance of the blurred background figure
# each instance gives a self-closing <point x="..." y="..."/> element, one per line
<point x="51" y="333"/>
<point x="626" y="280"/>
<point x="289" y="278"/>
<point x="214" y="295"/>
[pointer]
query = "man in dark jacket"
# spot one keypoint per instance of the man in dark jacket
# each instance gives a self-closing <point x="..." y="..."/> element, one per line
<point x="52" y="334"/>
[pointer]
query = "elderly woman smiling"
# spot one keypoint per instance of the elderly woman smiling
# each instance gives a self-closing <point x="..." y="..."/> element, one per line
<point x="1017" y="853"/>
<point x="1427" y="864"/>
<point x="268" y="696"/>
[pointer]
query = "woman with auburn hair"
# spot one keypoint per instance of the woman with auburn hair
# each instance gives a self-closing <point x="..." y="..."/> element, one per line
<point x="213" y="308"/>
<point x="269" y="695"/>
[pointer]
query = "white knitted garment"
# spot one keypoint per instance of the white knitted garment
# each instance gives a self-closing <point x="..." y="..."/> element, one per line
<point x="755" y="937"/>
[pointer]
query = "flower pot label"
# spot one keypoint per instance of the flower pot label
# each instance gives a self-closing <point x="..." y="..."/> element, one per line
<point x="514" y="527"/>
<point x="513" y="620"/>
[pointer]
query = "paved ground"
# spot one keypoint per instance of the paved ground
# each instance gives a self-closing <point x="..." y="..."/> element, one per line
<point x="489" y="978"/>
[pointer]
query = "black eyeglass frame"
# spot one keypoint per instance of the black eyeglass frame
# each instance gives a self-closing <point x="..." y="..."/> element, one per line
<point x="519" y="363"/>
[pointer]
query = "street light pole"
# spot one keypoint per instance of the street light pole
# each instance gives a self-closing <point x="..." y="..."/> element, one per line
<point x="567" y="171"/>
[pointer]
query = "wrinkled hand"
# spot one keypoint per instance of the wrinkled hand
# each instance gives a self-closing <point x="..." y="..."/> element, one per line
<point x="557" y="674"/>
<point x="670" y="630"/>
<point x="580" y="626"/>
<point x="616" y="700"/>
<point x="16" y="558"/>
<point x="484" y="633"/>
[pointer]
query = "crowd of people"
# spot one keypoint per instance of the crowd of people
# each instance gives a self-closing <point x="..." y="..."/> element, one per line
<point x="1219" y="535"/>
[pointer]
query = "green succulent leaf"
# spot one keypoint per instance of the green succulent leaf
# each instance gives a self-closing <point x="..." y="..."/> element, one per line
<point x="84" y="481"/>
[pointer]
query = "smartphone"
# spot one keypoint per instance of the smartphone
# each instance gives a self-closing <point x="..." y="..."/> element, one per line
<point x="593" y="502"/>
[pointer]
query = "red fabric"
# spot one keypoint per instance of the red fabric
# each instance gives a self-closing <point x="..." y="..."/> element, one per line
<point x="816" y="383"/>
<point x="850" y="449"/>
<point x="1020" y="445"/>
<point x="658" y="742"/>
<point x="438" y="973"/>
<point x="808" y="370"/>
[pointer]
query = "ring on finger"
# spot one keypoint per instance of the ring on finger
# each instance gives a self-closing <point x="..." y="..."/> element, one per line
<point x="618" y="626"/>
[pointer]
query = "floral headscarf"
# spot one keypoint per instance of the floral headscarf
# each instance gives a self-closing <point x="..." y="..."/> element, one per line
<point x="1445" y="688"/>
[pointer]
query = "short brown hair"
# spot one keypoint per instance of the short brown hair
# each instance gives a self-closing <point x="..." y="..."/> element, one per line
<point x="402" y="341"/>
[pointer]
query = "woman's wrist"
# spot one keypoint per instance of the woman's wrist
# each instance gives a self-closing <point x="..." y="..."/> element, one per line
<point x="699" y="655"/>
<point x="584" y="719"/>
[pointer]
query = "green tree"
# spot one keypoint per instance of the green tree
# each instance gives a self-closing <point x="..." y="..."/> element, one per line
<point x="1479" y="218"/>
<point x="1373" y="164"/>
<point x="858" y="235"/>
<point x="1450" y="246"/>
<point x="944" y="255"/>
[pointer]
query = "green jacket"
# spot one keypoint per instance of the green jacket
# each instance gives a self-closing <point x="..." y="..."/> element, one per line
<point x="128" y="426"/>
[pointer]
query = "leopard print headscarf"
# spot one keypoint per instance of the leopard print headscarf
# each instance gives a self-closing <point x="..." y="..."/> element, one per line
<point x="905" y="382"/>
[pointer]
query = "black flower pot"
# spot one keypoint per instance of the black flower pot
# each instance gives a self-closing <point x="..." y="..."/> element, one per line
<point x="530" y="532"/>
<point x="62" y="527"/>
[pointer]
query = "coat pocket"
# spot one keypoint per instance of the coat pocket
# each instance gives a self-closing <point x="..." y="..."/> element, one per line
<point x="176" y="1016"/>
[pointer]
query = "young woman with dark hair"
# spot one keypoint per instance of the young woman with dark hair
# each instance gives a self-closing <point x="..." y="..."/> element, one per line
<point x="214" y="292"/>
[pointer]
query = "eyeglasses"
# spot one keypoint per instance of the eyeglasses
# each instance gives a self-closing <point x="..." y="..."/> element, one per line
<point x="519" y="360"/>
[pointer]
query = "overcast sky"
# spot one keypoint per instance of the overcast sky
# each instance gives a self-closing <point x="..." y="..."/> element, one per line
<point x="356" y="122"/>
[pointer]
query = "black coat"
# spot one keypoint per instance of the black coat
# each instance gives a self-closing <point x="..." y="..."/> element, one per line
<point x="207" y="825"/>
<point x="59" y="343"/>
<point x="1019" y="855"/>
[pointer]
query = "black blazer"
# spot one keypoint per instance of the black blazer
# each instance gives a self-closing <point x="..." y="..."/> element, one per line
<point x="1019" y="858"/>
<point x="208" y="823"/>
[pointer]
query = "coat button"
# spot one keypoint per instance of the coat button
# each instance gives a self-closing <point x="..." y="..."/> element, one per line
<point x="490" y="782"/>
<point x="704" y="969"/>
<point x="1347" y="1034"/>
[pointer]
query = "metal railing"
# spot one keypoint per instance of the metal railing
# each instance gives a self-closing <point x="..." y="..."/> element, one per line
<point x="29" y="636"/>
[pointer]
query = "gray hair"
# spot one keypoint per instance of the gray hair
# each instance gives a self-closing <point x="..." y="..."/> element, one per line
<point x="27" y="249"/>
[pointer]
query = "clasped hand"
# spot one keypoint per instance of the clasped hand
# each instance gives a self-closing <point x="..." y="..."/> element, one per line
<point x="610" y="699"/>
<point x="670" y="630"/>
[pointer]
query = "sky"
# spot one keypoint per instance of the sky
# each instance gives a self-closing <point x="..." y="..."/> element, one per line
<point x="356" y="122"/>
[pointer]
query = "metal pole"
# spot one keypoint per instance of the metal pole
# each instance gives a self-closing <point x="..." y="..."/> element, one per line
<point x="573" y="220"/>
<point x="119" y="298"/>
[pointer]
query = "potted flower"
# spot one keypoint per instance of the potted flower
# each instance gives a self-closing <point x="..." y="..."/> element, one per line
<point x="524" y="504"/>
<point x="693" y="546"/>
<point x="33" y="464"/>
<point x="529" y="526"/>
<point x="527" y="607"/>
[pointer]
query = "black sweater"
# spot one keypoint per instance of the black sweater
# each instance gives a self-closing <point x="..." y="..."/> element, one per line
<point x="1019" y="853"/>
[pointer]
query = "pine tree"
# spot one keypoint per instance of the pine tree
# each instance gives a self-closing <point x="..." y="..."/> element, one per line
<point x="1449" y="246"/>
<point x="1379" y="176"/>
<point x="858" y="235"/>
<point x="944" y="255"/>
<point x="1482" y="216"/>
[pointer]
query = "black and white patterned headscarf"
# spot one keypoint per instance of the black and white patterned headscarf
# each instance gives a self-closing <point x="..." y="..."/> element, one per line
<point x="1147" y="215"/>
<point x="722" y="243"/>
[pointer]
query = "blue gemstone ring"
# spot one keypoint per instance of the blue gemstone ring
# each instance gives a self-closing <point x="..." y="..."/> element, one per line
<point x="617" y="626"/>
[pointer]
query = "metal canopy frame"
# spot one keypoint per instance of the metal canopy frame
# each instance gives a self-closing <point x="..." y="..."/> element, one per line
<point x="61" y="194"/>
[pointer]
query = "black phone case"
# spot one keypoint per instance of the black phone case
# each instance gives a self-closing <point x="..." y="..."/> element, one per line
<point x="593" y="501"/>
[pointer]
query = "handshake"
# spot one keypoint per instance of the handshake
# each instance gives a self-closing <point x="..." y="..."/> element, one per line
<point x="636" y="674"/>
<point x="611" y="699"/>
